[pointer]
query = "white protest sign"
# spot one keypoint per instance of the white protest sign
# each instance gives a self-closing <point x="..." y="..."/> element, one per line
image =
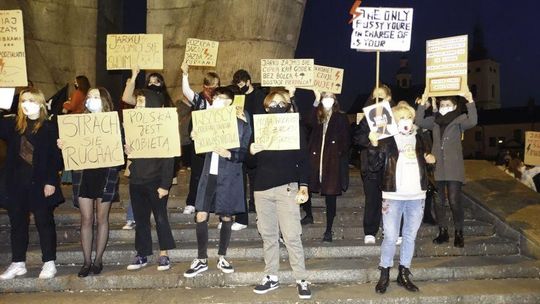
<point x="446" y="66"/>
<point x="6" y="98"/>
<point x="287" y="72"/>
<point x="327" y="79"/>
<point x="215" y="128"/>
<point x="532" y="148"/>
<point x="381" y="119"/>
<point x="382" y="29"/>
<point x="144" y="51"/>
<point x="201" y="52"/>
<point x="12" y="52"/>
<point x="277" y="131"/>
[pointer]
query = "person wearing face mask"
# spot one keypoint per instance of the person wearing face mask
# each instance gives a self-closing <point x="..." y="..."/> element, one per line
<point x="154" y="82"/>
<point x="94" y="187"/>
<point x="328" y="149"/>
<point x="402" y="159"/>
<point x="32" y="164"/>
<point x="281" y="184"/>
<point x="75" y="104"/>
<point x="448" y="125"/>
<point x="149" y="182"/>
<point x="197" y="101"/>
<point x="371" y="180"/>
<point x="220" y="190"/>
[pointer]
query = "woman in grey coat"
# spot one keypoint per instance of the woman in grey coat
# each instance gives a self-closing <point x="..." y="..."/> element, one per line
<point x="448" y="125"/>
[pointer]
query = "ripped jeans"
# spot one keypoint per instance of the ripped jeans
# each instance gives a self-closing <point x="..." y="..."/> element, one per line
<point x="392" y="210"/>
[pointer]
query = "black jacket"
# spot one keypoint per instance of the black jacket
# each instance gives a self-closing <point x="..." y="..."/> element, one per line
<point x="385" y="156"/>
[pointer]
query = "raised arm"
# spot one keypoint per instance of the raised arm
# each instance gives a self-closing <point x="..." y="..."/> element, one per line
<point x="186" y="89"/>
<point x="472" y="115"/>
<point x="127" y="96"/>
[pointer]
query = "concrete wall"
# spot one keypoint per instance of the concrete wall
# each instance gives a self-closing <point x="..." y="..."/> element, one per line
<point x="248" y="30"/>
<point x="60" y="40"/>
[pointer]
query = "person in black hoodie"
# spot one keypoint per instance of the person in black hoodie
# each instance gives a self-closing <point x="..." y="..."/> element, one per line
<point x="149" y="183"/>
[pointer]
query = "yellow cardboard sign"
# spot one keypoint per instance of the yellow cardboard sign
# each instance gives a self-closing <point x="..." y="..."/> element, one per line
<point x="287" y="72"/>
<point x="144" y="51"/>
<point x="277" y="131"/>
<point x="359" y="117"/>
<point x="239" y="102"/>
<point x="152" y="132"/>
<point x="446" y="66"/>
<point x="532" y="148"/>
<point x="201" y="52"/>
<point x="91" y="140"/>
<point x="215" y="128"/>
<point x="12" y="53"/>
<point x="327" y="79"/>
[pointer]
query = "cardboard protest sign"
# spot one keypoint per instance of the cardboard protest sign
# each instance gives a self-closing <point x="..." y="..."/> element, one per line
<point x="91" y="140"/>
<point x="201" y="52"/>
<point x="287" y="72"/>
<point x="152" y="132"/>
<point x="12" y="53"/>
<point x="144" y="51"/>
<point x="532" y="148"/>
<point x="381" y="119"/>
<point x="277" y="131"/>
<point x="327" y="79"/>
<point x="446" y="66"/>
<point x="359" y="117"/>
<point x="239" y="102"/>
<point x="6" y="98"/>
<point x="215" y="128"/>
<point x="382" y="29"/>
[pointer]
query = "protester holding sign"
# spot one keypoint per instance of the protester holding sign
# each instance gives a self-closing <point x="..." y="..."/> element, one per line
<point x="281" y="184"/>
<point x="94" y="186"/>
<point x="75" y="104"/>
<point x="197" y="101"/>
<point x="220" y="190"/>
<point x="154" y="82"/>
<point x="402" y="159"/>
<point x="149" y="183"/>
<point x="448" y="125"/>
<point x="371" y="179"/>
<point x="328" y="150"/>
<point x="33" y="186"/>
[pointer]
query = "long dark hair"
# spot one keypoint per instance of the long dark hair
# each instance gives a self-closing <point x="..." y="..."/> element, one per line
<point x="106" y="100"/>
<point x="167" y="97"/>
<point x="83" y="84"/>
<point x="321" y="113"/>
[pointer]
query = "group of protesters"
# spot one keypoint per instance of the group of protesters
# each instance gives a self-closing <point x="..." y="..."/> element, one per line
<point x="403" y="176"/>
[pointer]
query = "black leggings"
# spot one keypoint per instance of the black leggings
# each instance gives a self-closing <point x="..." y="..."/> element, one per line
<point x="453" y="189"/>
<point x="330" y="201"/>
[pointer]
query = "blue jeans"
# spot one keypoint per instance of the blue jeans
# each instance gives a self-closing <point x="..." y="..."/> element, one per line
<point x="129" y="212"/>
<point x="392" y="210"/>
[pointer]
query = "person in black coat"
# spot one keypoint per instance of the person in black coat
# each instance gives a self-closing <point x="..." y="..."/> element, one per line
<point x="33" y="186"/>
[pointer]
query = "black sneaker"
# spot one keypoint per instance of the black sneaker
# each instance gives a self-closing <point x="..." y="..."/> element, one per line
<point x="224" y="265"/>
<point x="304" y="292"/>
<point x="266" y="285"/>
<point x="306" y="220"/>
<point x="197" y="266"/>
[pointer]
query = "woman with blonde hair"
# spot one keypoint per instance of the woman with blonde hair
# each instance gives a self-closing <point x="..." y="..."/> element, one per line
<point x="33" y="162"/>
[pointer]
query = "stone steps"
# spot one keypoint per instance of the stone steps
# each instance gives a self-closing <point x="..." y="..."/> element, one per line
<point x="249" y="250"/>
<point x="320" y="271"/>
<point x="186" y="232"/>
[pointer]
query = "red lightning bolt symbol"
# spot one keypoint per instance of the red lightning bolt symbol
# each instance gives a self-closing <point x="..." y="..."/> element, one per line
<point x="353" y="12"/>
<point x="337" y="75"/>
<point x="206" y="52"/>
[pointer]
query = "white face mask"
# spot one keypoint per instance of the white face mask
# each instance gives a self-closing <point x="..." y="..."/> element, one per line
<point x="446" y="110"/>
<point x="94" y="104"/>
<point x="327" y="102"/>
<point x="220" y="103"/>
<point x="30" y="109"/>
<point x="405" y="126"/>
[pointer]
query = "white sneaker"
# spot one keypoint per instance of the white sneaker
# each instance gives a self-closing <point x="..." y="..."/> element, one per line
<point x="130" y="225"/>
<point x="14" y="269"/>
<point x="175" y="181"/>
<point x="224" y="265"/>
<point x="219" y="226"/>
<point x="399" y="240"/>
<point x="369" y="239"/>
<point x="48" y="271"/>
<point x="189" y="209"/>
<point x="237" y="226"/>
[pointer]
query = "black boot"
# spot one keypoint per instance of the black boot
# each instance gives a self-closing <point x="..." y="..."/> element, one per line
<point x="306" y="220"/>
<point x="404" y="280"/>
<point x="458" y="239"/>
<point x="442" y="237"/>
<point x="384" y="280"/>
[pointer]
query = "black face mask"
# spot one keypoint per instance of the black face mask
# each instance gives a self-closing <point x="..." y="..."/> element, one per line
<point x="155" y="88"/>
<point x="244" y="89"/>
<point x="278" y="109"/>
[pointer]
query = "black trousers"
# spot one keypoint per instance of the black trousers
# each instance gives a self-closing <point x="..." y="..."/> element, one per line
<point x="249" y="175"/>
<point x="145" y="200"/>
<point x="197" y="164"/>
<point x="452" y="189"/>
<point x="373" y="205"/>
<point x="19" y="211"/>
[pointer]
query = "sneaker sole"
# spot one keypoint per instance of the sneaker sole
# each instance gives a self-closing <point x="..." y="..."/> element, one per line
<point x="304" y="297"/>
<point x="163" y="268"/>
<point x="225" y="270"/>
<point x="265" y="291"/>
<point x="136" y="267"/>
<point x="191" y="275"/>
<point x="47" y="276"/>
<point x="17" y="274"/>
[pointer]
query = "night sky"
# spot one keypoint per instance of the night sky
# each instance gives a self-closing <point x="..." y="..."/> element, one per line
<point x="511" y="36"/>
